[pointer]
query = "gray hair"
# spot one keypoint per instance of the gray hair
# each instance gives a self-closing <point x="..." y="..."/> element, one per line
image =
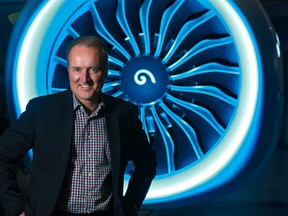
<point x="90" y="41"/>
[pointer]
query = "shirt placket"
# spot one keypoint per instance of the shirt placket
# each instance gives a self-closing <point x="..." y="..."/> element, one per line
<point x="88" y="166"/>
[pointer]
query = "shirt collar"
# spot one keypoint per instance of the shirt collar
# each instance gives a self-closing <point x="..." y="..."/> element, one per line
<point x="77" y="105"/>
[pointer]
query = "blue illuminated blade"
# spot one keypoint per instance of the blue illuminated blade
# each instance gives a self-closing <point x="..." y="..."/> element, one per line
<point x="144" y="19"/>
<point x="115" y="61"/>
<point x="123" y="22"/>
<point x="142" y="117"/>
<point x="61" y="61"/>
<point x="207" y="90"/>
<point x="72" y="32"/>
<point x="110" y="86"/>
<point x="211" y="67"/>
<point x="165" y="23"/>
<point x="200" y="47"/>
<point x="201" y="111"/>
<point x="114" y="73"/>
<point x="185" y="30"/>
<point x="167" y="139"/>
<point x="102" y="30"/>
<point x="187" y="129"/>
<point x="118" y="93"/>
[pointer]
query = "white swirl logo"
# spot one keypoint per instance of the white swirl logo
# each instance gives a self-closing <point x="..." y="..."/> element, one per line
<point x="141" y="79"/>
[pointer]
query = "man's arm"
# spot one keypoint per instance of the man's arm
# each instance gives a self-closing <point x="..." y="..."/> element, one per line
<point x="14" y="144"/>
<point x="144" y="160"/>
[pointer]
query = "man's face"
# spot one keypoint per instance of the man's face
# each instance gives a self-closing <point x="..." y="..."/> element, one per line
<point x="86" y="72"/>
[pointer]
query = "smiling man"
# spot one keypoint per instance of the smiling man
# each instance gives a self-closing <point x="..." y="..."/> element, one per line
<point x="82" y="141"/>
<point x="87" y="71"/>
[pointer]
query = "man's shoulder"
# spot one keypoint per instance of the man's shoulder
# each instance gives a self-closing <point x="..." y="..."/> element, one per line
<point x="114" y="104"/>
<point x="117" y="101"/>
<point x="52" y="97"/>
<point x="51" y="101"/>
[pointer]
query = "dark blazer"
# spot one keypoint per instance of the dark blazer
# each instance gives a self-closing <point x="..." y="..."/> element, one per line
<point x="47" y="127"/>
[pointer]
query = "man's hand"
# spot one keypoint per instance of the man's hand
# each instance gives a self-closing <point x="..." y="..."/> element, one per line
<point x="22" y="214"/>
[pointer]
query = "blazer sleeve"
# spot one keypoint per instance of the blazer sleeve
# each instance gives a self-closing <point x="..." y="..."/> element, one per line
<point x="14" y="144"/>
<point x="144" y="160"/>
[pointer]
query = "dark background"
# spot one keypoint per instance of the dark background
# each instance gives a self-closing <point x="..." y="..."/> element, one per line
<point x="277" y="11"/>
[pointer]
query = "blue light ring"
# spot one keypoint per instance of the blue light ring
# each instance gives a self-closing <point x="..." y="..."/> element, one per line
<point x="28" y="59"/>
<point x="18" y="34"/>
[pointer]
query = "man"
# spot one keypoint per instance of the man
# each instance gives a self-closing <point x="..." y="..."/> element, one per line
<point x="82" y="141"/>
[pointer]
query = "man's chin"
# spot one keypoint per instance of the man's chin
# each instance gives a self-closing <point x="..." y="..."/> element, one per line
<point x="89" y="97"/>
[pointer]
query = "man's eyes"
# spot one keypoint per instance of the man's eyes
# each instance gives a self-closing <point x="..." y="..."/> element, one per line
<point x="91" y="70"/>
<point x="76" y="70"/>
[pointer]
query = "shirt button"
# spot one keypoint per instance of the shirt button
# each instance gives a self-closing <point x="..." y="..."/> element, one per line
<point x="90" y="174"/>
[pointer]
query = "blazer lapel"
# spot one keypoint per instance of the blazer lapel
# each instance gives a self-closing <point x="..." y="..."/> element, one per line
<point x="114" y="139"/>
<point x="112" y="121"/>
<point x="66" y="125"/>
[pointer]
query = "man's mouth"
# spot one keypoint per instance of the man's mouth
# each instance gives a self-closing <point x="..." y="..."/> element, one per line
<point x="85" y="86"/>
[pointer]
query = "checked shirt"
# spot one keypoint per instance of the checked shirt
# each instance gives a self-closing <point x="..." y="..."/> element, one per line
<point x="88" y="184"/>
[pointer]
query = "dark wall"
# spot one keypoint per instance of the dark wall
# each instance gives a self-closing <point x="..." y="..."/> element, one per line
<point x="7" y="8"/>
<point x="277" y="12"/>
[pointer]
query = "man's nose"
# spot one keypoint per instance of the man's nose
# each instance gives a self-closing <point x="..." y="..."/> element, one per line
<point x="85" y="76"/>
